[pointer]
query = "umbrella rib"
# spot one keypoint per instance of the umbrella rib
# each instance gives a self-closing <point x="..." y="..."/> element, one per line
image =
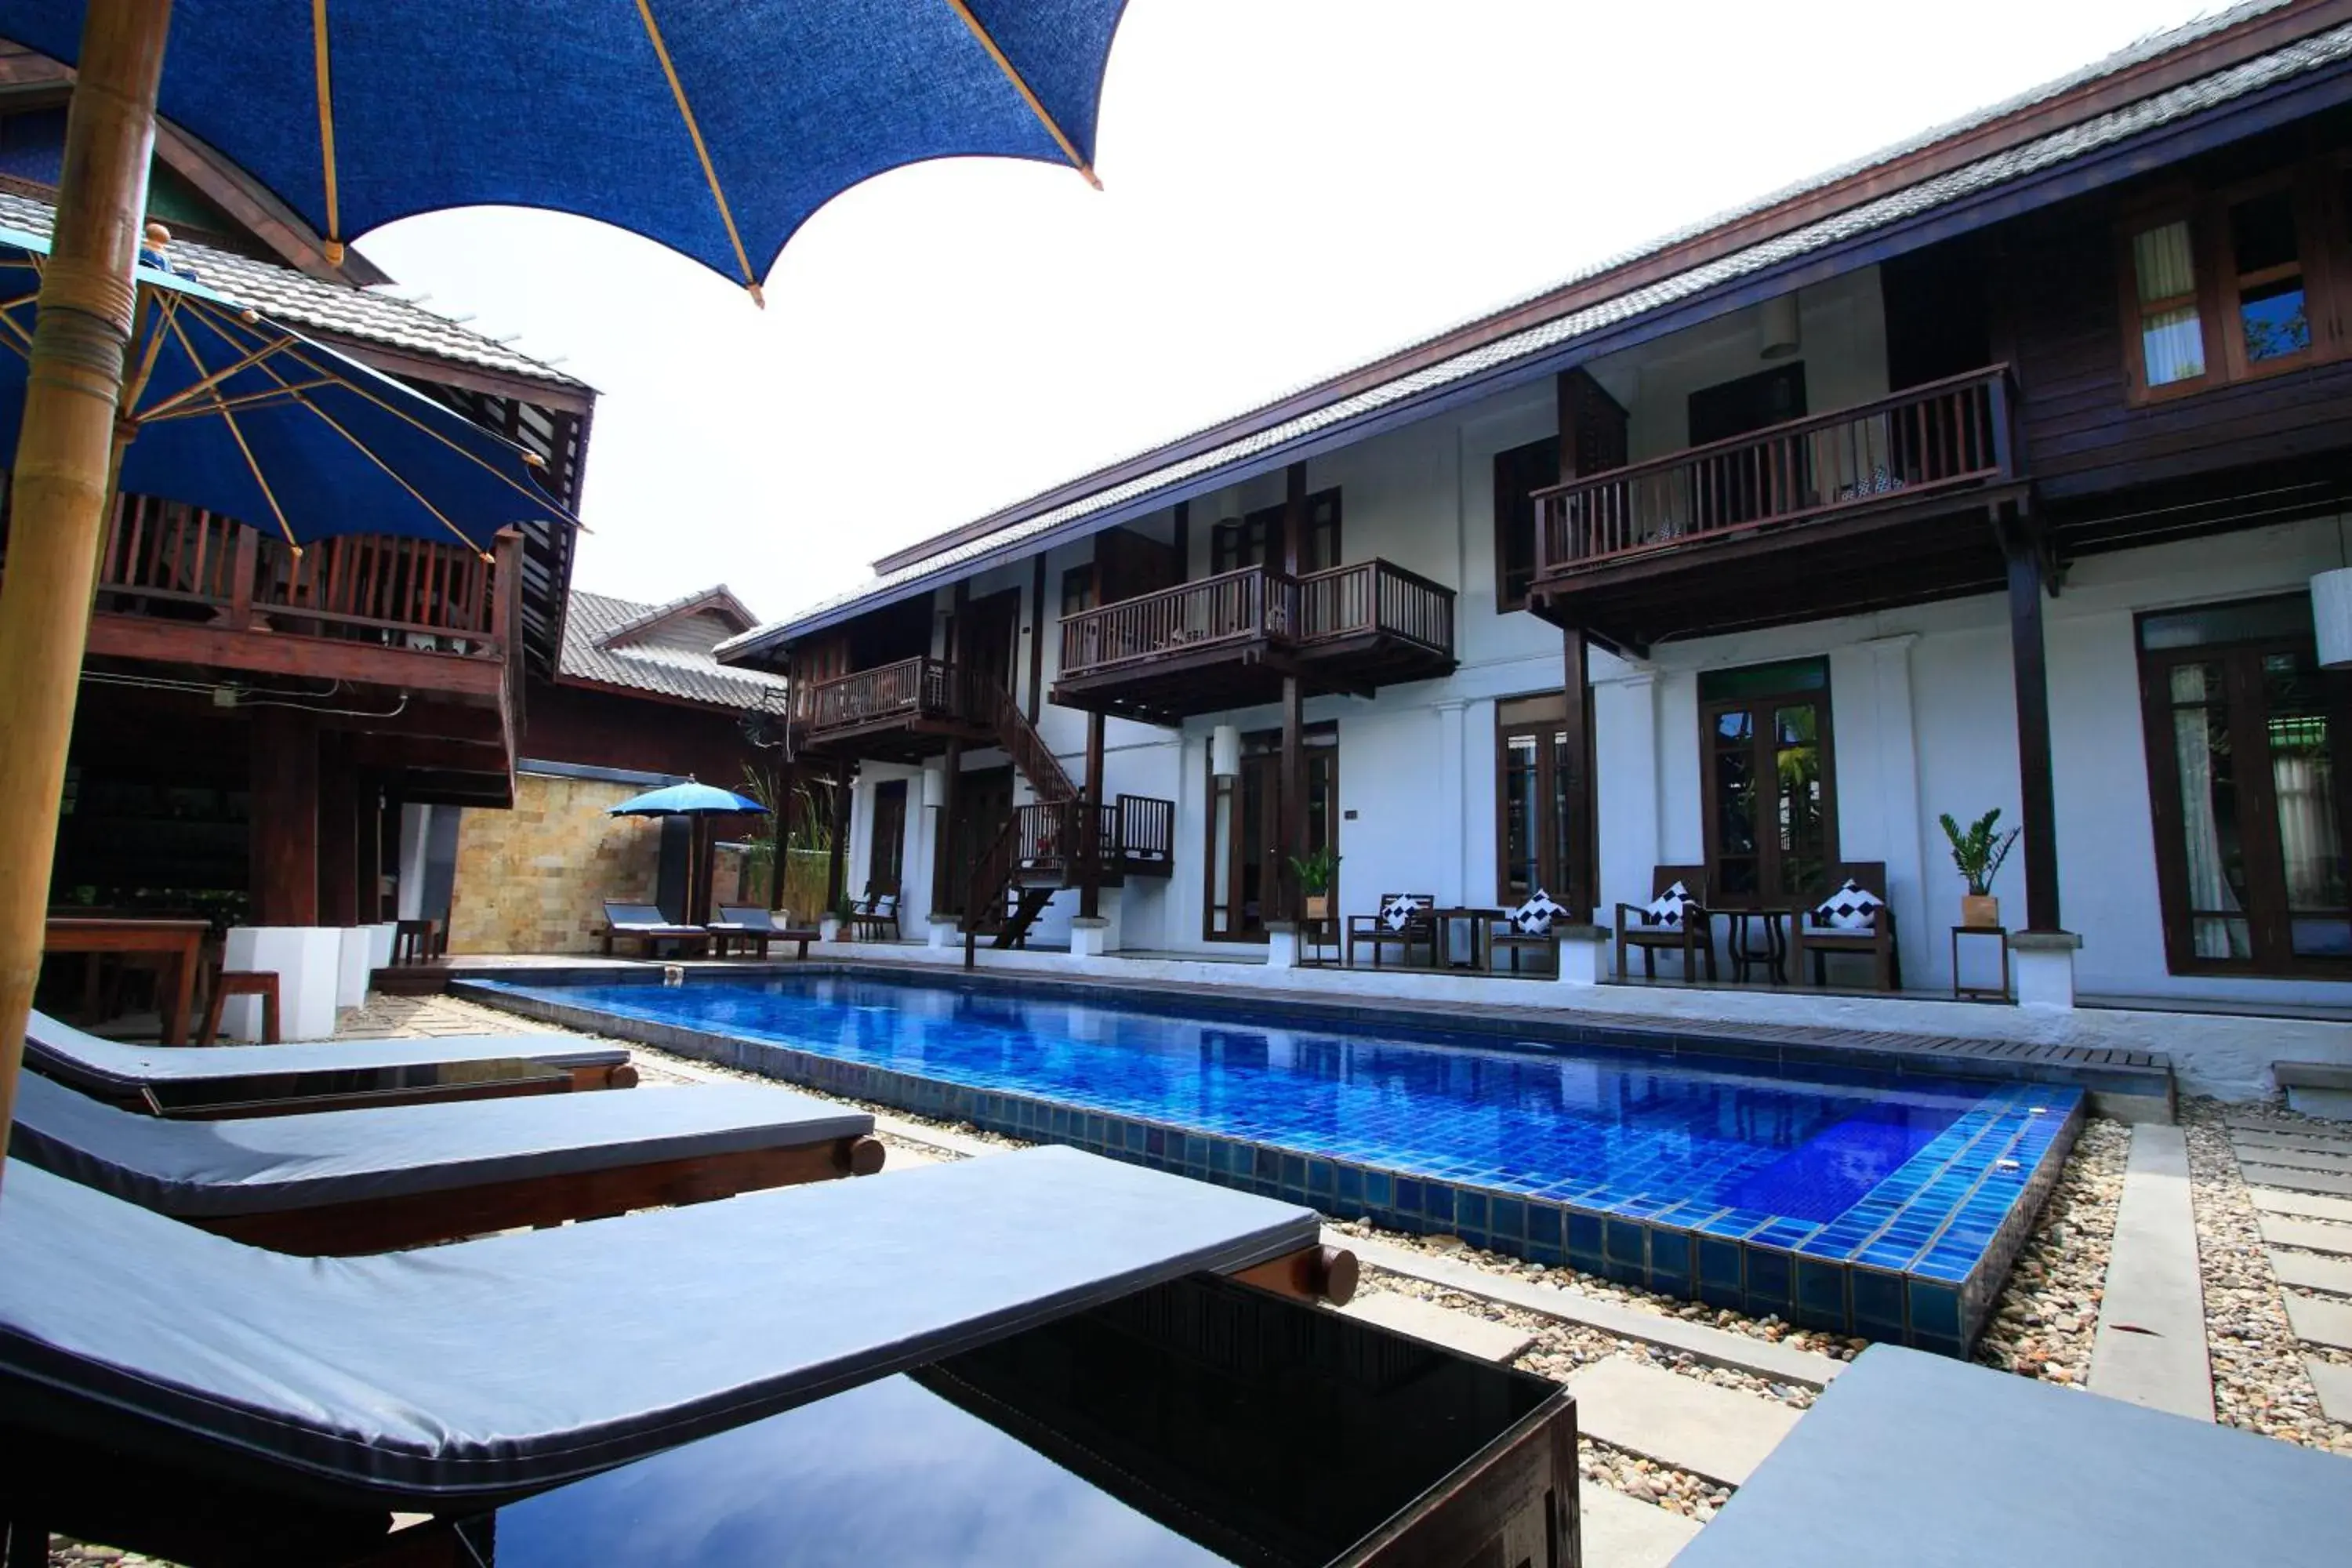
<point x="134" y="383"/>
<point x="229" y="420"/>
<point x="199" y="389"/>
<point x="287" y="393"/>
<point x="694" y="130"/>
<point x="334" y="246"/>
<point x="1013" y="75"/>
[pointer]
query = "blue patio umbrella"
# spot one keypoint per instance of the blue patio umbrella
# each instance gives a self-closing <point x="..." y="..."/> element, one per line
<point x="225" y="410"/>
<point x="715" y="127"/>
<point x="695" y="801"/>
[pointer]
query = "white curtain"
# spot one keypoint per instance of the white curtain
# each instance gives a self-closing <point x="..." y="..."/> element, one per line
<point x="2209" y="885"/>
<point x="2306" y="820"/>
<point x="2172" y="339"/>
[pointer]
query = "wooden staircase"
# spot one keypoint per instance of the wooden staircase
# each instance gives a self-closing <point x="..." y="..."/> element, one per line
<point x="1014" y="881"/>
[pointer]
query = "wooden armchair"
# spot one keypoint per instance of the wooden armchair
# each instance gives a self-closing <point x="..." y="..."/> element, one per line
<point x="876" y="916"/>
<point x="1378" y="932"/>
<point x="1812" y="936"/>
<point x="1694" y="939"/>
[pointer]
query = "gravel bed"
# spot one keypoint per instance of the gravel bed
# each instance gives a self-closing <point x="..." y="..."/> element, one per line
<point x="2048" y="1314"/>
<point x="1647" y="1480"/>
<point x="68" y="1553"/>
<point x="2259" y="1383"/>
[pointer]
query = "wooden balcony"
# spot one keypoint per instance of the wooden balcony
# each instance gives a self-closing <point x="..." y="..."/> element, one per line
<point x="180" y="585"/>
<point x="1136" y="837"/>
<point x="1227" y="641"/>
<point x="1865" y="507"/>
<point x="902" y="712"/>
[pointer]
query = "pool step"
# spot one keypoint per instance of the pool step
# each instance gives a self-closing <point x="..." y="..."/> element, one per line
<point x="1621" y="1531"/>
<point x="1448" y="1326"/>
<point x="1717" y="1434"/>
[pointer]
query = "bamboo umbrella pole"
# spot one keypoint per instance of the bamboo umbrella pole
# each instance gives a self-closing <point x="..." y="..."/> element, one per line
<point x="58" y="493"/>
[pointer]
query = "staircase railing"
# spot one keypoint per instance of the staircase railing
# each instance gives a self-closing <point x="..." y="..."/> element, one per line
<point x="992" y="878"/>
<point x="1028" y="750"/>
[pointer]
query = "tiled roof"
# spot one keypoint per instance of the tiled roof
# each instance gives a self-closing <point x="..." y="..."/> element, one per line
<point x="2012" y="164"/>
<point x="372" y="315"/>
<point x="605" y="641"/>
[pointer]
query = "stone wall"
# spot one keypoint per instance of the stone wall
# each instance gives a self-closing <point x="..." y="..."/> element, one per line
<point x="535" y="878"/>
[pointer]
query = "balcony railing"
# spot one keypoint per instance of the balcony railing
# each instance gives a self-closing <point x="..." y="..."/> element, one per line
<point x="1945" y="436"/>
<point x="1259" y="605"/>
<point x="910" y="689"/>
<point x="174" y="562"/>
<point x="1132" y="830"/>
<point x="1249" y="605"/>
<point x="1374" y="596"/>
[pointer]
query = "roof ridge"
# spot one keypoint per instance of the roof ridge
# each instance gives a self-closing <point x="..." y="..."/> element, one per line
<point x="717" y="597"/>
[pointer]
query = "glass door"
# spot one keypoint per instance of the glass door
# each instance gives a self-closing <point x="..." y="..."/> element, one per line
<point x="1770" y="808"/>
<point x="1245" y="859"/>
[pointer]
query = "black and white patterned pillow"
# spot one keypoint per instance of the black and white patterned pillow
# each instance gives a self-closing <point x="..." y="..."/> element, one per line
<point x="1399" y="911"/>
<point x="1534" y="917"/>
<point x="1669" y="908"/>
<point x="1852" y="908"/>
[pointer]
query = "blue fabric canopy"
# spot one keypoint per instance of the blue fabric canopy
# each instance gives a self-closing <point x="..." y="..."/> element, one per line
<point x="593" y="106"/>
<point x="253" y="421"/>
<point x="688" y="799"/>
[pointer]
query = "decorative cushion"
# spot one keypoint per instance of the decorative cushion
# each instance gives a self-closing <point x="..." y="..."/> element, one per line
<point x="1398" y="912"/>
<point x="1852" y="908"/>
<point x="887" y="905"/>
<point x="1669" y="907"/>
<point x="1534" y="917"/>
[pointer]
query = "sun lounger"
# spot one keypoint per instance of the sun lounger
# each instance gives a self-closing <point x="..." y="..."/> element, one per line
<point x="755" y="928"/>
<point x="369" y="1181"/>
<point x="260" y="1081"/>
<point x="650" y="928"/>
<point x="490" y="1368"/>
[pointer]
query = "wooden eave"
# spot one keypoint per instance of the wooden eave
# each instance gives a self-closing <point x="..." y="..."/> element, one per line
<point x="474" y="680"/>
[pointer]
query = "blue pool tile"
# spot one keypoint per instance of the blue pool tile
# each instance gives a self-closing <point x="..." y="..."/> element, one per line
<point x="1350" y="1186"/>
<point x="1672" y="1271"/>
<point x="1877" y="1305"/>
<point x="1544" y="1226"/>
<point x="1469" y="1209"/>
<point x="1718" y="1273"/>
<point x="1819" y="1299"/>
<point x="1625" y="1251"/>
<point x="1409" y="1195"/>
<point x="1768" y="1279"/>
<point x="1933" y="1309"/>
<point x="1506" y="1218"/>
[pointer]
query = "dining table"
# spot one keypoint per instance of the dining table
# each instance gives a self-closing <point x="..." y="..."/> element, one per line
<point x="179" y="942"/>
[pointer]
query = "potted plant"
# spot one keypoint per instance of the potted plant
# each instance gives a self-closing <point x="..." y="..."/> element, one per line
<point x="828" y="928"/>
<point x="1314" y="870"/>
<point x="1979" y="851"/>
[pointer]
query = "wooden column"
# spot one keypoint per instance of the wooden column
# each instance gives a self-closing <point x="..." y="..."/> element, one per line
<point x="1039" y="623"/>
<point x="2038" y="812"/>
<point x="285" y="818"/>
<point x="1580" y="847"/>
<point x="1294" y="517"/>
<point x="947" y="876"/>
<point x="1183" y="540"/>
<point x="371" y="830"/>
<point x="787" y="794"/>
<point x="1290" y="902"/>
<point x="1090" y="796"/>
<point x="836" y="866"/>
<point x="339" y="837"/>
<point x="57" y="487"/>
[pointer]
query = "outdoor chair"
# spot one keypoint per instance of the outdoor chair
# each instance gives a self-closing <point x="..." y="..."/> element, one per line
<point x="415" y="942"/>
<point x="1860" y="923"/>
<point x="1532" y="928"/>
<point x="228" y="983"/>
<point x="466" y="1376"/>
<point x="651" y="928"/>
<point x="1649" y="928"/>
<point x="317" y="1076"/>
<point x="875" y="917"/>
<point x="755" y="928"/>
<point x="369" y="1181"/>
<point x="1401" y="921"/>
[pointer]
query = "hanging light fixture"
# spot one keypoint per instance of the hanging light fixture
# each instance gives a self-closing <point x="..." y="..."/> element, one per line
<point x="2331" y="609"/>
<point x="1776" y="326"/>
<point x="1225" y="752"/>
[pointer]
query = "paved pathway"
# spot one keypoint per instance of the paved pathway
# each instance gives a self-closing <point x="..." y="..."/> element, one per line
<point x="2150" y="1349"/>
<point x="2299" y="1176"/>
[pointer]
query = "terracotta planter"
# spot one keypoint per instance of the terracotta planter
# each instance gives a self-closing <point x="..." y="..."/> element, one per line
<point x="1980" y="910"/>
<point x="1319" y="906"/>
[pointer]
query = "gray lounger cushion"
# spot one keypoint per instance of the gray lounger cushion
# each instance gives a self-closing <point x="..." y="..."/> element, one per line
<point x="110" y="1067"/>
<point x="1916" y="1459"/>
<point x="487" y="1369"/>
<point x="268" y="1164"/>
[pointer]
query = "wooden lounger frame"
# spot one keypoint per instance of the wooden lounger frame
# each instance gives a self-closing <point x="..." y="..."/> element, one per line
<point x="420" y="1219"/>
<point x="555" y="1079"/>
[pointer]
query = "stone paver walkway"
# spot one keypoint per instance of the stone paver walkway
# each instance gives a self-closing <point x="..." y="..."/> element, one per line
<point x="1471" y="1336"/>
<point x="1717" y="1434"/>
<point x="1621" y="1531"/>
<point x="2299" y="1176"/>
<point x="2150" y="1349"/>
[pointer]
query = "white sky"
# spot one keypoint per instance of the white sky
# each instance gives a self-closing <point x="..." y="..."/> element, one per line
<point x="1291" y="186"/>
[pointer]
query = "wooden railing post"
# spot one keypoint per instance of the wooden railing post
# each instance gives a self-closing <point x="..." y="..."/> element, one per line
<point x="244" y="565"/>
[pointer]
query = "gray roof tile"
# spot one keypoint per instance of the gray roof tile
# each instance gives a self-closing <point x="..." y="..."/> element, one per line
<point x="602" y="643"/>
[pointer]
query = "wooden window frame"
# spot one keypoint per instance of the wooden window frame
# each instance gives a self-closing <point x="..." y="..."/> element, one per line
<point x="1513" y="460"/>
<point x="2324" y="257"/>
<point x="1082" y="577"/>
<point x="1833" y="851"/>
<point x="2268" y="919"/>
<point x="1231" y="539"/>
<point x="1550" y="851"/>
<point x="1322" y="737"/>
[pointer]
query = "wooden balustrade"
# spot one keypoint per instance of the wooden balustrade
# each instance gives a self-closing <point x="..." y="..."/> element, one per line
<point x="1142" y="828"/>
<point x="400" y="592"/>
<point x="912" y="688"/>
<point x="1249" y="604"/>
<point x="1376" y="596"/>
<point x="1943" y="436"/>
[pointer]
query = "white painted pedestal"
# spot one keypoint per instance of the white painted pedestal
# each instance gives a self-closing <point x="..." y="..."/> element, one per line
<point x="945" y="931"/>
<point x="1089" y="938"/>
<point x="354" y="946"/>
<point x="2043" y="962"/>
<point x="1281" y="945"/>
<point x="1583" y="955"/>
<point x="308" y="962"/>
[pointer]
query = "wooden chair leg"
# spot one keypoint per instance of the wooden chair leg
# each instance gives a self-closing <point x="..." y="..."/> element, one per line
<point x="269" y="1036"/>
<point x="210" y="1033"/>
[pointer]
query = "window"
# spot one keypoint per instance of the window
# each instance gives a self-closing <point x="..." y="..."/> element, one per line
<point x="1770" y="804"/>
<point x="1533" y="766"/>
<point x="886" y="859"/>
<point x="2250" y="827"/>
<point x="1256" y="539"/>
<point x="2233" y="284"/>
<point x="1077" y="590"/>
<point x="1518" y="472"/>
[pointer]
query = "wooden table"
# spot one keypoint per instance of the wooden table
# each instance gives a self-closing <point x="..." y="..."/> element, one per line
<point x="1981" y="993"/>
<point x="1474" y="922"/>
<point x="1741" y="942"/>
<point x="179" y="942"/>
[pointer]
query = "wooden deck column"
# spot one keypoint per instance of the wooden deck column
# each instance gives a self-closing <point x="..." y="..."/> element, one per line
<point x="836" y="866"/>
<point x="2021" y="542"/>
<point x="285" y="818"/>
<point x="1579" y="842"/>
<point x="1289" y="903"/>
<point x="947" y="876"/>
<point x="339" y="835"/>
<point x="1090" y="795"/>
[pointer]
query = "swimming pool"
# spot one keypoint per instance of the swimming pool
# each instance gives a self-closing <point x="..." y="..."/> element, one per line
<point x="1858" y="1202"/>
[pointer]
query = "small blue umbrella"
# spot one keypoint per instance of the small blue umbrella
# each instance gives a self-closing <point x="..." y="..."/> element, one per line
<point x="694" y="800"/>
<point x="227" y="411"/>
<point x="715" y="127"/>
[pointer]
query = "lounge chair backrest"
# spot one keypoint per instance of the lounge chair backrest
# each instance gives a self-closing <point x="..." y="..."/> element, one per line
<point x="634" y="915"/>
<point x="751" y="918"/>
